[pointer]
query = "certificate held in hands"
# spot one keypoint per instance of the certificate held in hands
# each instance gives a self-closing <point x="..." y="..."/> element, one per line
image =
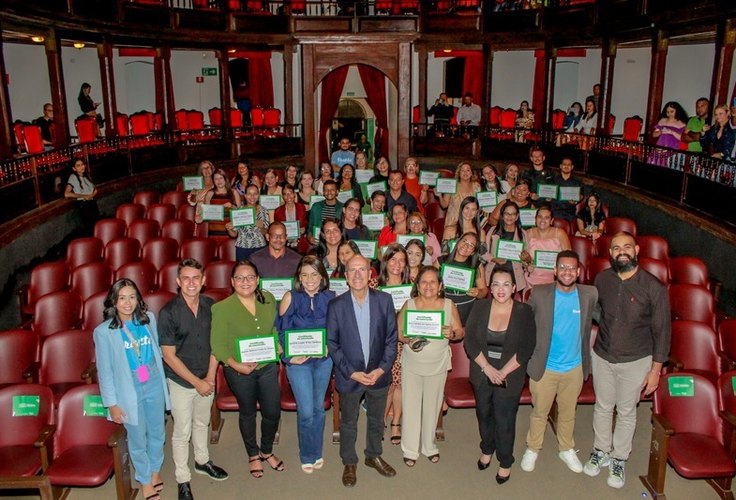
<point x="426" y="324"/>
<point x="242" y="217"/>
<point x="258" y="349"/>
<point x="213" y="212"/>
<point x="457" y="278"/>
<point x="311" y="343"/>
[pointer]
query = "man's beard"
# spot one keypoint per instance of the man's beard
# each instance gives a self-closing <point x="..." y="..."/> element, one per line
<point x="623" y="267"/>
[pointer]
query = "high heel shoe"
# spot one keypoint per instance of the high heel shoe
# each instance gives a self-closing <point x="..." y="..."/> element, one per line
<point x="483" y="465"/>
<point x="502" y="479"/>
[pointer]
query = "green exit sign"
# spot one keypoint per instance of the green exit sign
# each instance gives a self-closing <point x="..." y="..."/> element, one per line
<point x="209" y="71"/>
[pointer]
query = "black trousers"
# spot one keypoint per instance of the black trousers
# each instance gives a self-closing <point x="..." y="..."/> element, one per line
<point x="496" y="409"/>
<point x="261" y="386"/>
<point x="375" y="401"/>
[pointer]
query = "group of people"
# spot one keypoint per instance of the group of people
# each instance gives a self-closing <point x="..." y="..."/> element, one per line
<point x="380" y="315"/>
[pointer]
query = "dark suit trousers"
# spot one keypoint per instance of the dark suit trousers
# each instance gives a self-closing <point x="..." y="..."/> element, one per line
<point x="375" y="401"/>
<point x="496" y="410"/>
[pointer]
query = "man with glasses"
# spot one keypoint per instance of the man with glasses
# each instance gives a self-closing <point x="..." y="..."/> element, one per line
<point x="184" y="331"/>
<point x="362" y="339"/>
<point x="276" y="260"/>
<point x="563" y="312"/>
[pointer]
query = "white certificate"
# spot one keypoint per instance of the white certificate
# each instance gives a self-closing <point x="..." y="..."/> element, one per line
<point x="457" y="278"/>
<point x="527" y="216"/>
<point x="241" y="217"/>
<point x="195" y="182"/>
<point x="446" y="186"/>
<point x="428" y="178"/>
<point x="569" y="193"/>
<point x="403" y="239"/>
<point x="259" y="349"/>
<point x="339" y="285"/>
<point x="270" y="202"/>
<point x="399" y="294"/>
<point x="305" y="343"/>
<point x="213" y="212"/>
<point x="544" y="259"/>
<point x="316" y="231"/>
<point x="509" y="250"/>
<point x="315" y="198"/>
<point x="367" y="248"/>
<point x="277" y="286"/>
<point x="293" y="231"/>
<point x="424" y="323"/>
<point x="374" y="222"/>
<point x="547" y="191"/>
<point x="376" y="186"/>
<point x="487" y="199"/>
<point x="344" y="196"/>
<point x="363" y="176"/>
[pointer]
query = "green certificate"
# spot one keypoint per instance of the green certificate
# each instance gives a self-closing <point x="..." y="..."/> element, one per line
<point x="428" y="178"/>
<point x="339" y="285"/>
<point x="544" y="259"/>
<point x="258" y="349"/>
<point x="293" y="231"/>
<point x="270" y="201"/>
<point x="344" y="196"/>
<point x="213" y="212"/>
<point x="194" y="182"/>
<point x="93" y="406"/>
<point x="426" y="324"/>
<point x="682" y="386"/>
<point x="363" y="175"/>
<point x="316" y="231"/>
<point x="569" y="193"/>
<point x="374" y="222"/>
<point x="403" y="239"/>
<point x="277" y="286"/>
<point x="242" y="217"/>
<point x="315" y="198"/>
<point x="527" y="216"/>
<point x="446" y="186"/>
<point x="375" y="186"/>
<point x="547" y="191"/>
<point x="487" y="199"/>
<point x="457" y="278"/>
<point x="399" y="294"/>
<point x="509" y="250"/>
<point x="305" y="343"/>
<point x="26" y="406"/>
<point x="367" y="248"/>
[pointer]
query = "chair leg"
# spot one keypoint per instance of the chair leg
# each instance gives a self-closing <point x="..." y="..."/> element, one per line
<point x="216" y="423"/>
<point x="656" y="474"/>
<point x="722" y="485"/>
<point x="42" y="483"/>
<point x="439" y="433"/>
<point x="335" y="417"/>
<point x="121" y="467"/>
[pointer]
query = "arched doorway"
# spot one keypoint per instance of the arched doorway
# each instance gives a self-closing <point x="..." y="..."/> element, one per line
<point x="354" y="117"/>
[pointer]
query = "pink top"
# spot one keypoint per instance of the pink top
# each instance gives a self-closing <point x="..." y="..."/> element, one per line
<point x="542" y="276"/>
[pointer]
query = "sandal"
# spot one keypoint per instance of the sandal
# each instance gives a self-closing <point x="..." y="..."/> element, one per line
<point x="396" y="439"/>
<point x="308" y="468"/>
<point x="434" y="458"/>
<point x="256" y="473"/>
<point x="158" y="487"/>
<point x="409" y="462"/>
<point x="278" y="467"/>
<point x="155" y="496"/>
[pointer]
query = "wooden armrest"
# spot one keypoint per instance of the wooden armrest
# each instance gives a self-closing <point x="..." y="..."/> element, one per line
<point x="46" y="432"/>
<point x="89" y="375"/>
<point x="661" y="423"/>
<point x="728" y="363"/>
<point x="31" y="373"/>
<point x="675" y="363"/>
<point x="116" y="436"/>
<point x="728" y="417"/>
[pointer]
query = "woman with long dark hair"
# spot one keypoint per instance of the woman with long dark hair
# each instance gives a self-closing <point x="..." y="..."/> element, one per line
<point x="132" y="381"/>
<point x="80" y="188"/>
<point x="467" y="254"/>
<point x="352" y="223"/>
<point x="89" y="106"/>
<point x="249" y="312"/>
<point x="220" y="194"/>
<point x="244" y="178"/>
<point x="509" y="229"/>
<point x="346" y="182"/>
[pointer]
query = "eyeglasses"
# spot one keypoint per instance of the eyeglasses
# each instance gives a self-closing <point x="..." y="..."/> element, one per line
<point x="501" y="284"/>
<point x="469" y="244"/>
<point x="249" y="278"/>
<point x="416" y="223"/>
<point x="277" y="236"/>
<point x="566" y="267"/>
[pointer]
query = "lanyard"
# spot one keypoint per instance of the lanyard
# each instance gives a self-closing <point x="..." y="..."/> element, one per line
<point x="134" y="343"/>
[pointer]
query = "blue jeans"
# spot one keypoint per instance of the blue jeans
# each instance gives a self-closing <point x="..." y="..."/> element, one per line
<point x="309" y="383"/>
<point x="146" y="440"/>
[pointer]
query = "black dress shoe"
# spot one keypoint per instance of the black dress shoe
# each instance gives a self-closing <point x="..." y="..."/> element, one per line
<point x="210" y="469"/>
<point x="502" y="479"/>
<point x="349" y="476"/>
<point x="482" y="465"/>
<point x="381" y="466"/>
<point x="185" y="492"/>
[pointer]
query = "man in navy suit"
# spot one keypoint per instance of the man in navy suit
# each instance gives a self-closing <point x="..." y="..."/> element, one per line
<point x="361" y="339"/>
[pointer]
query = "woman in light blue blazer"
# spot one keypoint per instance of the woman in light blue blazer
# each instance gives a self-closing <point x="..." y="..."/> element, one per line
<point x="132" y="382"/>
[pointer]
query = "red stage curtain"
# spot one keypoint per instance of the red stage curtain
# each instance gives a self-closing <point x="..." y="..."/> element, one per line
<point x="261" y="82"/>
<point x="374" y="83"/>
<point x="473" y="76"/>
<point x="332" y="86"/>
<point x="538" y="90"/>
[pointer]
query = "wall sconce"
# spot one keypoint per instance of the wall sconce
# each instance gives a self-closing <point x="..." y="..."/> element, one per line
<point x="79" y="45"/>
<point x="38" y="39"/>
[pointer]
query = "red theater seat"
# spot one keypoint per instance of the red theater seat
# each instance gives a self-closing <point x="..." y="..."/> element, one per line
<point x="143" y="230"/>
<point x="89" y="279"/>
<point x="156" y="300"/>
<point x="66" y="358"/>
<point x="617" y="224"/>
<point x="161" y="212"/>
<point x="202" y="249"/>
<point x="178" y="229"/>
<point x="109" y="229"/>
<point x="46" y="278"/>
<point x="692" y="302"/>
<point x="93" y="311"/>
<point x="176" y="198"/>
<point x="147" y="198"/>
<point x="130" y="212"/>
<point x="18" y="350"/>
<point x="458" y="391"/>
<point x="121" y="251"/>
<point x="142" y="273"/>
<point x="83" y="251"/>
<point x="689" y="271"/>
<point x="55" y="312"/>
<point x="694" y="349"/>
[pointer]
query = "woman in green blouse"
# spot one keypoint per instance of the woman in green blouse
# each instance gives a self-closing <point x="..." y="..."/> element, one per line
<point x="249" y="312"/>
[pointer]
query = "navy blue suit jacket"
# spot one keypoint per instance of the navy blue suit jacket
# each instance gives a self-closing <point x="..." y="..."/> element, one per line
<point x="343" y="340"/>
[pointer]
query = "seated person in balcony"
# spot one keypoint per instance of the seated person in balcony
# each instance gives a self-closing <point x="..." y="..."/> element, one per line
<point x="694" y="130"/>
<point x="468" y="116"/>
<point x="46" y="124"/>
<point x="719" y="138"/>
<point x="587" y="122"/>
<point x="442" y="111"/>
<point x="574" y="114"/>
<point x="524" y="120"/>
<point x="342" y="156"/>
<point x="672" y="122"/>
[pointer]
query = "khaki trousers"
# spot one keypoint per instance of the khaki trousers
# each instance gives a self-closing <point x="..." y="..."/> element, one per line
<point x="191" y="413"/>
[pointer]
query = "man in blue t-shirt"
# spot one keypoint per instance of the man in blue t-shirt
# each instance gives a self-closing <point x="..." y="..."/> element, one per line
<point x="563" y="312"/>
<point x="342" y="156"/>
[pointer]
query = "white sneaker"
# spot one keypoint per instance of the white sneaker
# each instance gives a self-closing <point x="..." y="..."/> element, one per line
<point x="597" y="460"/>
<point x="528" y="460"/>
<point x="570" y="457"/>
<point x="616" y="474"/>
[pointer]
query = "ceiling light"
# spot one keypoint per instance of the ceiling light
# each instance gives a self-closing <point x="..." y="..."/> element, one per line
<point x="446" y="51"/>
<point x="78" y="45"/>
<point x="37" y="39"/>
